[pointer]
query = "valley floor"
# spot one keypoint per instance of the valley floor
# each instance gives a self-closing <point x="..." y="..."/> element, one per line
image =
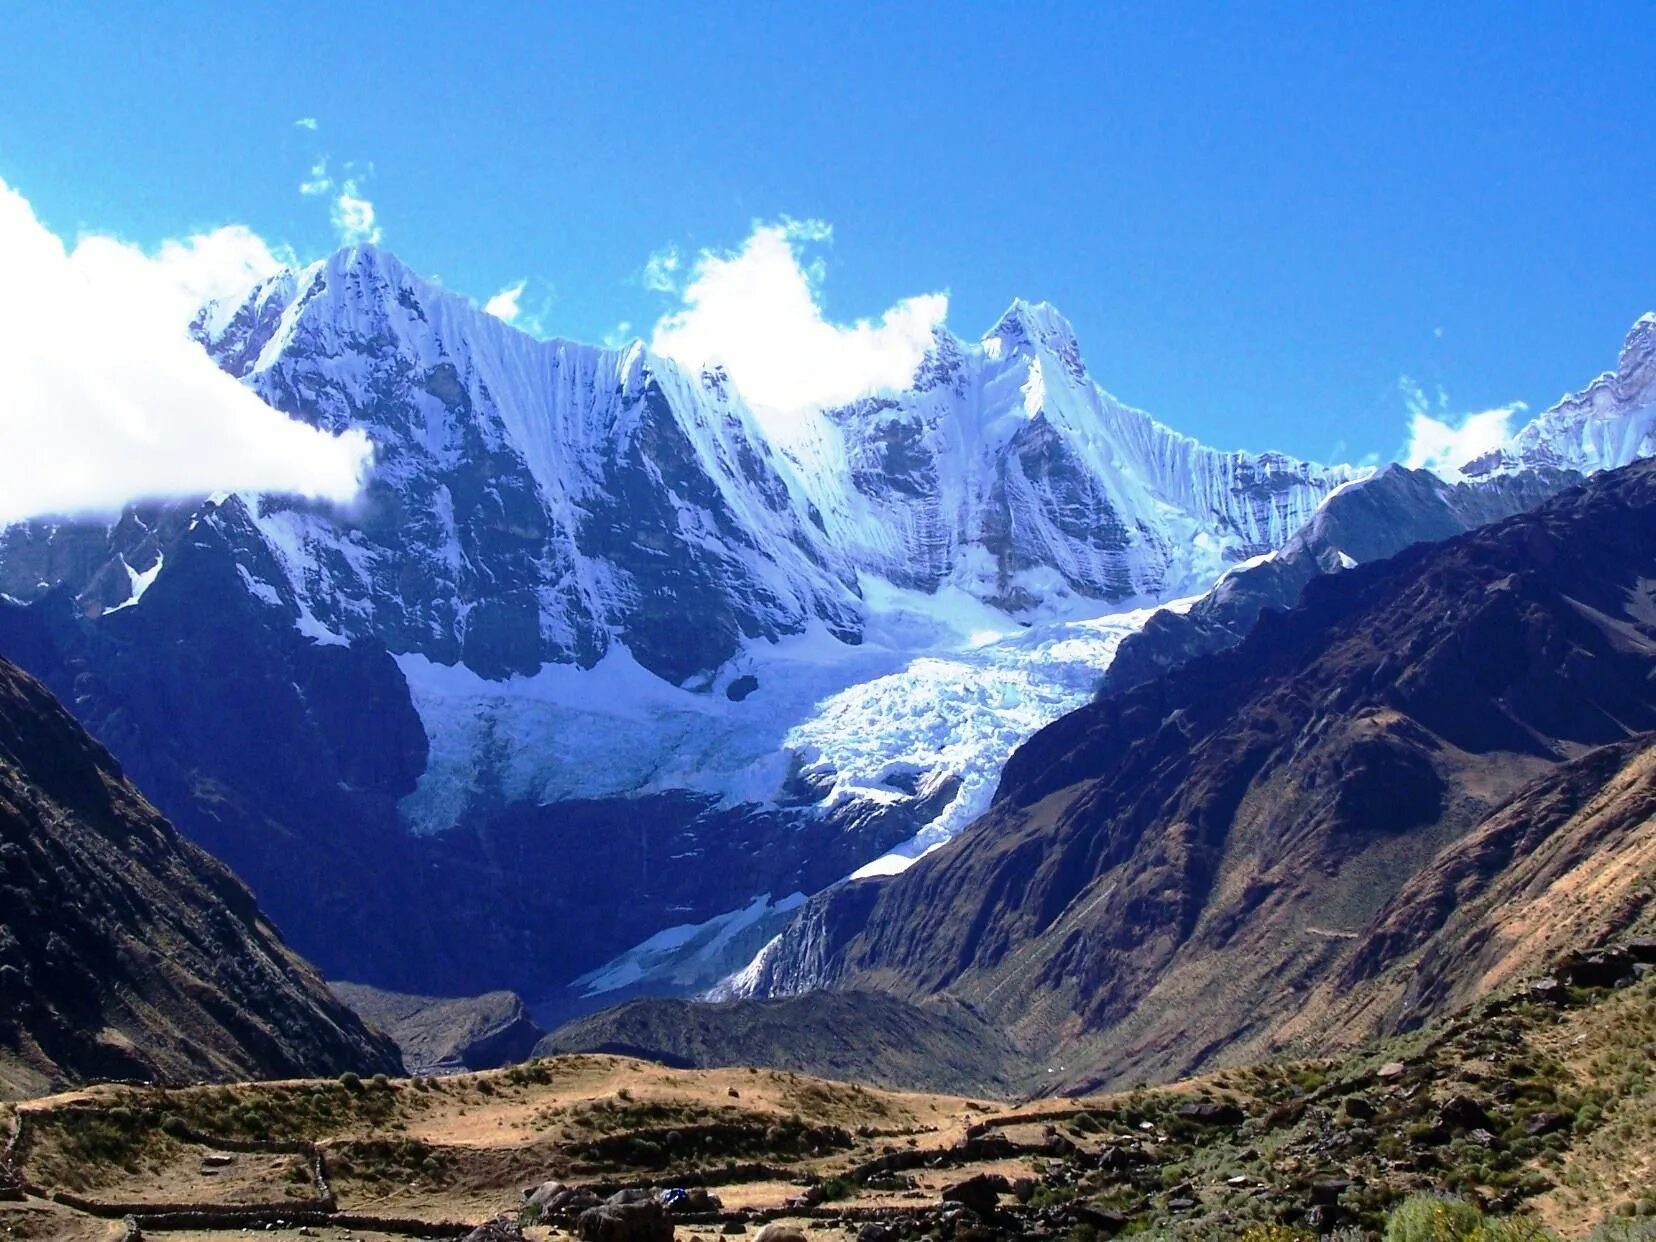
<point x="1541" y="1104"/>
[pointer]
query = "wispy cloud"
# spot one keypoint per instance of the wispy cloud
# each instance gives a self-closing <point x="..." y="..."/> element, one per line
<point x="758" y="311"/>
<point x="318" y="182"/>
<point x="306" y="122"/>
<point x="350" y="211"/>
<point x="353" y="215"/>
<point x="661" y="270"/>
<point x="108" y="399"/>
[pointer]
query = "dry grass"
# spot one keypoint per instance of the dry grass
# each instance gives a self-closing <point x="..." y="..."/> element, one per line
<point x="463" y="1147"/>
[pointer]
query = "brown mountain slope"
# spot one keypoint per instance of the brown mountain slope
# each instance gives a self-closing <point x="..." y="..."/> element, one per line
<point x="1232" y="855"/>
<point x="124" y="950"/>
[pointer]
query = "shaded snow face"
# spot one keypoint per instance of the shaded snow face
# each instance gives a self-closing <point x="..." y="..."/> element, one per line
<point x="532" y="503"/>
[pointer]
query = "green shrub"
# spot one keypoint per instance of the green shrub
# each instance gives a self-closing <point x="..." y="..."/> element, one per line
<point x="1437" y="1218"/>
<point x="1624" y="1231"/>
<point x="1433" y="1218"/>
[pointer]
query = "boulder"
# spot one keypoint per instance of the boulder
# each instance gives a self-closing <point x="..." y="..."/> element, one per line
<point x="1103" y="1221"/>
<point x="1328" y="1192"/>
<point x="1359" y="1109"/>
<point x="542" y="1195"/>
<point x="980" y="1193"/>
<point x="1464" y="1112"/>
<point x="627" y="1221"/>
<point x="1547" y="1123"/>
<point x="499" y="1230"/>
<point x="1642" y="950"/>
<point x="1548" y="991"/>
<point x="1212" y="1113"/>
<point x="1604" y="968"/>
<point x="776" y="1231"/>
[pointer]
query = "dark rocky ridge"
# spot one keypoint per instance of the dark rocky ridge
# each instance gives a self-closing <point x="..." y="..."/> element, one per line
<point x="125" y="951"/>
<point x="442" y="1034"/>
<point x="1366" y="521"/>
<point x="855" y="1036"/>
<point x="1185" y="870"/>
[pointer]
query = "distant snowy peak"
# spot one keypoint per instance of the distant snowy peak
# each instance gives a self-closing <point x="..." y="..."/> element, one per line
<point x="1609" y="423"/>
<point x="1005" y="470"/>
<point x="1036" y="326"/>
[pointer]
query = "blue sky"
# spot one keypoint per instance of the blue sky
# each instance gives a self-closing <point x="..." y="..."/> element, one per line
<point x="1257" y="217"/>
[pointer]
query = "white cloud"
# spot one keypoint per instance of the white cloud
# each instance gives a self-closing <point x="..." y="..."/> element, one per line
<point x="508" y="306"/>
<point x="353" y="216"/>
<point x="306" y="122"/>
<point x="108" y="400"/>
<point x="758" y="311"/>
<point x="351" y="212"/>
<point x="319" y="181"/>
<point x="504" y="305"/>
<point x="209" y="267"/>
<point x="1443" y="442"/>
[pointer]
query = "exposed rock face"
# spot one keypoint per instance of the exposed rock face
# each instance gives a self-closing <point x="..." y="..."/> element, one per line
<point x="286" y="757"/>
<point x="1244" y="851"/>
<point x="439" y="1034"/>
<point x="124" y="950"/>
<point x="542" y="506"/>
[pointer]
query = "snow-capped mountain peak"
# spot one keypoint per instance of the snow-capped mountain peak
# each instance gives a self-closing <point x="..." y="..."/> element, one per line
<point x="1611" y="422"/>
